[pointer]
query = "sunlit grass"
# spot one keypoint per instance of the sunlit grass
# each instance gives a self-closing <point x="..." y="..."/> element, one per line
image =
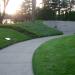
<point x="9" y="36"/>
<point x="55" y="57"/>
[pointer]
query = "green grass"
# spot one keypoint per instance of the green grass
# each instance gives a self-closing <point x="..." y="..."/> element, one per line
<point x="24" y="31"/>
<point x="19" y="29"/>
<point x="34" y="29"/>
<point x="14" y="35"/>
<point x="39" y="29"/>
<point x="55" y="57"/>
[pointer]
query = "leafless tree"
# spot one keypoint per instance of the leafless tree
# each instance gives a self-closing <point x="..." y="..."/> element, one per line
<point x="33" y="9"/>
<point x="5" y="3"/>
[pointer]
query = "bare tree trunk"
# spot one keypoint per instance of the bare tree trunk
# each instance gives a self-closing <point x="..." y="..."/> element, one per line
<point x="3" y="14"/>
<point x="33" y="9"/>
<point x="59" y="8"/>
<point x="70" y="5"/>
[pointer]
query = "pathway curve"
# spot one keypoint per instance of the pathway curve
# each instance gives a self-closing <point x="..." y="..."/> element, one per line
<point x="68" y="27"/>
<point x="17" y="59"/>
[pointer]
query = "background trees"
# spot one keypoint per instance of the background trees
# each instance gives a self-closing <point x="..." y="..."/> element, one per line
<point x="26" y="11"/>
<point x="51" y="10"/>
<point x="5" y="3"/>
<point x="58" y="9"/>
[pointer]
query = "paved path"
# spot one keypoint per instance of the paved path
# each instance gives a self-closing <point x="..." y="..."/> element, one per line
<point x="68" y="27"/>
<point x="17" y="59"/>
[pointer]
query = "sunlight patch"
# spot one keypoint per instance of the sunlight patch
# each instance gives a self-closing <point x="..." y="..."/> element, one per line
<point x="8" y="39"/>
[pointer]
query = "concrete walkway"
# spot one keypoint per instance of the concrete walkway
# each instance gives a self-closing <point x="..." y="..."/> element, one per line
<point x="68" y="27"/>
<point x="17" y="59"/>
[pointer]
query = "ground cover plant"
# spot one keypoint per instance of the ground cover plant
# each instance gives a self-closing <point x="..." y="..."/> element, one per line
<point x="55" y="57"/>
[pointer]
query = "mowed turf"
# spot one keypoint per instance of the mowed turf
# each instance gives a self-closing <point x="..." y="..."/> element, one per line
<point x="24" y="31"/>
<point x="55" y="57"/>
<point x="38" y="29"/>
<point x="9" y="36"/>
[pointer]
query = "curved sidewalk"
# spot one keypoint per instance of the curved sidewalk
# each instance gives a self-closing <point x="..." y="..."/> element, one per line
<point x="17" y="59"/>
<point x="67" y="27"/>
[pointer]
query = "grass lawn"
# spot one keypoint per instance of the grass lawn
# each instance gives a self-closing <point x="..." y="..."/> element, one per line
<point x="34" y="29"/>
<point x="55" y="57"/>
<point x="39" y="29"/>
<point x="24" y="31"/>
<point x="15" y="36"/>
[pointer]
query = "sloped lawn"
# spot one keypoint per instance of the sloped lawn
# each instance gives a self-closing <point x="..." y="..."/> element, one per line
<point x="9" y="36"/>
<point x="55" y="57"/>
<point x="39" y="29"/>
<point x="34" y="29"/>
<point x="24" y="31"/>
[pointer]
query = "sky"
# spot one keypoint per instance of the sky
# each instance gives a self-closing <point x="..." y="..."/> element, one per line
<point x="38" y="3"/>
<point x="13" y="5"/>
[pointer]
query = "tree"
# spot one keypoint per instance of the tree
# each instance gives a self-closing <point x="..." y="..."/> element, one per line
<point x="26" y="6"/>
<point x="28" y="9"/>
<point x="52" y="5"/>
<point x="72" y="3"/>
<point x="33" y="9"/>
<point x="45" y="14"/>
<point x="5" y="2"/>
